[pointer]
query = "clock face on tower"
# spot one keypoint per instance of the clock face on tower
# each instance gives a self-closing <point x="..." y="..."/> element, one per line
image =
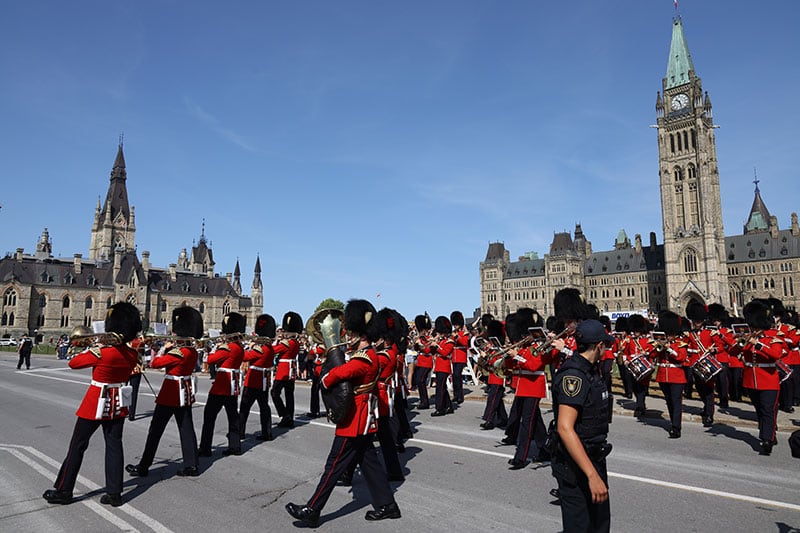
<point x="679" y="101"/>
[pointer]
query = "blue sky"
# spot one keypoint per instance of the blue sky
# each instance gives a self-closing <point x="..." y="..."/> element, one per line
<point x="372" y="147"/>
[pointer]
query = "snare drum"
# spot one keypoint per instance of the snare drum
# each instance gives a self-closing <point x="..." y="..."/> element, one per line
<point x="640" y="367"/>
<point x="784" y="370"/>
<point x="707" y="367"/>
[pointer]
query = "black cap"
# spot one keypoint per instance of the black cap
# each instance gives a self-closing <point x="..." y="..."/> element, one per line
<point x="591" y="332"/>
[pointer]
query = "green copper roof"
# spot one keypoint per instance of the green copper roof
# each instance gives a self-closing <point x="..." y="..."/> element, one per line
<point x="680" y="60"/>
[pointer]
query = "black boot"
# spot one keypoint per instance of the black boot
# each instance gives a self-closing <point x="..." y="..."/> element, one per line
<point x="137" y="470"/>
<point x="386" y="511"/>
<point x="114" y="500"/>
<point x="303" y="513"/>
<point x="58" y="496"/>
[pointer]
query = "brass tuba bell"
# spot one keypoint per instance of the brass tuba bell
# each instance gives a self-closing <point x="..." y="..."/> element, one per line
<point x="325" y="326"/>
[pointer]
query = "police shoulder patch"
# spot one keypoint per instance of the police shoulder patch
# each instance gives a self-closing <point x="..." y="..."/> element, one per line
<point x="571" y="385"/>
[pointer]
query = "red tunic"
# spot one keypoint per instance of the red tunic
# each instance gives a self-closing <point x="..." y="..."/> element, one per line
<point x="229" y="358"/>
<point x="387" y="360"/>
<point x="759" y="359"/>
<point x="792" y="339"/>
<point x="670" y="362"/>
<point x="635" y="347"/>
<point x="424" y="353"/>
<point x="444" y="350"/>
<point x="461" y="345"/>
<point x="361" y="369"/>
<point x="177" y="389"/>
<point x="317" y="352"/>
<point x="700" y="343"/>
<point x="111" y="368"/>
<point x="531" y="379"/>
<point x="259" y="372"/>
<point x="286" y="359"/>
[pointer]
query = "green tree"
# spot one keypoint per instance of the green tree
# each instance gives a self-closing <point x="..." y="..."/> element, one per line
<point x="330" y="303"/>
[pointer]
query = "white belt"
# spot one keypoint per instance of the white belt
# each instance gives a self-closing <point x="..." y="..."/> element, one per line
<point x="259" y="368"/>
<point x="178" y="378"/>
<point x="760" y="365"/>
<point x="669" y="365"/>
<point x="109" y="385"/>
<point x="286" y="360"/>
<point x="231" y="370"/>
<point x="530" y="373"/>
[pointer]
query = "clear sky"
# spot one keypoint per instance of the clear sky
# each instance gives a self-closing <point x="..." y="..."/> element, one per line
<point x="373" y="147"/>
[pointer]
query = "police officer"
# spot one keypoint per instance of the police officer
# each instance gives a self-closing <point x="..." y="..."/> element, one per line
<point x="580" y="398"/>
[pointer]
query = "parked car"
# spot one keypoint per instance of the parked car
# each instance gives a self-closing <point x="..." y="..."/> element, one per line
<point x="8" y="342"/>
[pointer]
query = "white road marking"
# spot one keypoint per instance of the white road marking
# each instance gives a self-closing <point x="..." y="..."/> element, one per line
<point x="127" y="508"/>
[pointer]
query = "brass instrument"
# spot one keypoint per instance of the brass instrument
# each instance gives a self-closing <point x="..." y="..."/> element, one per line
<point x="485" y="349"/>
<point x="260" y="340"/>
<point x="81" y="338"/>
<point x="314" y="325"/>
<point x="660" y="341"/>
<point x="222" y="339"/>
<point x="177" y="341"/>
<point x="540" y="349"/>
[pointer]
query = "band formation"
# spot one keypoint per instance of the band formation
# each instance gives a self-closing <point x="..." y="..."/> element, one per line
<point x="365" y="364"/>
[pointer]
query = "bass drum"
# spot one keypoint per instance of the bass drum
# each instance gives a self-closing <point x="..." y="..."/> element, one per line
<point x="339" y="400"/>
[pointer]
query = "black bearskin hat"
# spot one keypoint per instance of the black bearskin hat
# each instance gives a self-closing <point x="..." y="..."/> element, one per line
<point x="592" y="312"/>
<point x="442" y="325"/>
<point x="603" y="319"/>
<point x="495" y="330"/>
<point x="292" y="322"/>
<point x="638" y="324"/>
<point x="717" y="313"/>
<point x="670" y="323"/>
<point x="402" y="341"/>
<point x="357" y="317"/>
<point x="778" y="310"/>
<point x="569" y="305"/>
<point x="457" y="318"/>
<point x="423" y="322"/>
<point x="556" y="325"/>
<point x="265" y="326"/>
<point x="124" y="318"/>
<point x="187" y="322"/>
<point x="621" y="325"/>
<point x="514" y="328"/>
<point x="696" y="312"/>
<point x="233" y="323"/>
<point x="758" y="314"/>
<point x="485" y="319"/>
<point x="387" y="325"/>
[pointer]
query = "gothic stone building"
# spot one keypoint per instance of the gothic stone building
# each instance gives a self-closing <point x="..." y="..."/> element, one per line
<point x="50" y="296"/>
<point x="696" y="259"/>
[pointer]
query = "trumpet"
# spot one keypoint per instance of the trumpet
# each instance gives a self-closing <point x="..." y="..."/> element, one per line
<point x="82" y="338"/>
<point x="660" y="341"/>
<point x="543" y="347"/>
<point x="260" y="340"/>
<point x="221" y="339"/>
<point x="177" y="341"/>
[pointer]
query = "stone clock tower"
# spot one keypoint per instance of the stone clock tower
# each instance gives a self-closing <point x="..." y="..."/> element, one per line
<point x="694" y="240"/>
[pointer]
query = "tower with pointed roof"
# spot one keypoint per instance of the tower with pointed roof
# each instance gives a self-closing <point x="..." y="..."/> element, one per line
<point x="114" y="229"/>
<point x="256" y="292"/>
<point x="694" y="239"/>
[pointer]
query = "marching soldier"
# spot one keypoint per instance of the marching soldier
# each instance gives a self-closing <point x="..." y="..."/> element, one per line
<point x="723" y="338"/>
<point x="701" y="343"/>
<point x="286" y="368"/>
<point x="387" y="323"/>
<point x="424" y="364"/>
<point x="494" y="414"/>
<point x="442" y="369"/>
<point x="639" y="346"/>
<point x="670" y="356"/>
<point x="459" y="360"/>
<point x="104" y="405"/>
<point x="225" y="389"/>
<point x="177" y="393"/>
<point x="261" y="357"/>
<point x="760" y="349"/>
<point x="354" y="433"/>
<point x="791" y="356"/>
<point x="316" y="355"/>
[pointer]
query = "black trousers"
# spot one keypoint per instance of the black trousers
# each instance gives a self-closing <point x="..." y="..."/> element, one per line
<point x="314" y="404"/>
<point x="786" y="397"/>
<point x="722" y="385"/>
<point x="401" y="411"/>
<point x="687" y="389"/>
<point x="251" y="395"/>
<point x="134" y="381"/>
<point x="673" y="394"/>
<point x="578" y="513"/>
<point x="640" y="392"/>
<point x="512" y="426"/>
<point x="627" y="380"/>
<point x="443" y="401"/>
<point x="84" y="429"/>
<point x="495" y="411"/>
<point x="387" y="438"/>
<point x="705" y="390"/>
<point x="214" y="405"/>
<point x="458" y="382"/>
<point x="735" y="384"/>
<point x="796" y="381"/>
<point x="606" y="367"/>
<point x="285" y="410"/>
<point x="345" y="450"/>
<point x="531" y="428"/>
<point x="161" y="416"/>
<point x="766" y="405"/>
<point x="24" y="358"/>
<point x="420" y="379"/>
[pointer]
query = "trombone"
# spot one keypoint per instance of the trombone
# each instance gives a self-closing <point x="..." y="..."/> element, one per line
<point x="82" y="338"/>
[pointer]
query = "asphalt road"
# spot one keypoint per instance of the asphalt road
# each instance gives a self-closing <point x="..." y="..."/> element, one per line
<point x="457" y="477"/>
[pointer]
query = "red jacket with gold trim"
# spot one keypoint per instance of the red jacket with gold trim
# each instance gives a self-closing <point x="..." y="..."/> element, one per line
<point x="229" y="358"/>
<point x="176" y="390"/>
<point x="286" y="359"/>
<point x="759" y="356"/>
<point x="361" y="369"/>
<point x="444" y="351"/>
<point x="531" y="378"/>
<point x="111" y="365"/>
<point x="670" y="362"/>
<point x="387" y="360"/>
<point x="461" y="338"/>
<point x="424" y="352"/>
<point x="261" y="358"/>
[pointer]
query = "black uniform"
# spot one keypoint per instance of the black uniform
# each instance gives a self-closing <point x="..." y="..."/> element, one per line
<point x="579" y="383"/>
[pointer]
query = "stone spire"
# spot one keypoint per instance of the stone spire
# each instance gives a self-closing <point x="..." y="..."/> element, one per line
<point x="237" y="274"/>
<point x="680" y="60"/>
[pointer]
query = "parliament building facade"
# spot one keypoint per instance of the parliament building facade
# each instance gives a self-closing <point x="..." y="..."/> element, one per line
<point x="49" y="296"/>
<point x="695" y="260"/>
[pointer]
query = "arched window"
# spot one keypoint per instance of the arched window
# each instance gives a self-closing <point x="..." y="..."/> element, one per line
<point x="226" y="308"/>
<point x="163" y="306"/>
<point x="89" y="302"/>
<point x="10" y="298"/>
<point x="202" y="307"/>
<point x="42" y="300"/>
<point x="65" y="302"/>
<point x="690" y="261"/>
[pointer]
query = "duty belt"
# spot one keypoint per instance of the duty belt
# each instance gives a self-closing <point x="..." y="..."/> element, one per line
<point x="259" y="368"/>
<point x="760" y="365"/>
<point x="670" y="365"/>
<point x="529" y="372"/>
<point x="178" y="378"/>
<point x="110" y="385"/>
